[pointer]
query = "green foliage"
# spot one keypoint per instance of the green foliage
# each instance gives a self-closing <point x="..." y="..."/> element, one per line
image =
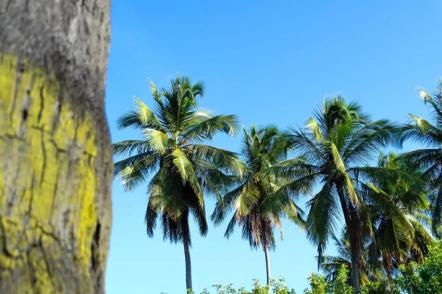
<point x="332" y="150"/>
<point x="394" y="197"/>
<point x="257" y="200"/>
<point x="340" y="285"/>
<point x="425" y="277"/>
<point x="279" y="287"/>
<point x="429" y="133"/>
<point x="318" y="285"/>
<point x="226" y="289"/>
<point x="414" y="278"/>
<point x="173" y="155"/>
<point x="381" y="286"/>
<point x="276" y="287"/>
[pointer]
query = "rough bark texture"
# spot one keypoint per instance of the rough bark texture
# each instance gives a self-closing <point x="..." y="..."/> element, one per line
<point x="55" y="157"/>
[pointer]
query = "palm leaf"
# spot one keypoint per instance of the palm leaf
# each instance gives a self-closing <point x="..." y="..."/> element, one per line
<point x="207" y="128"/>
<point x="187" y="172"/>
<point x="354" y="198"/>
<point x="321" y="218"/>
<point x="128" y="147"/>
<point x="157" y="140"/>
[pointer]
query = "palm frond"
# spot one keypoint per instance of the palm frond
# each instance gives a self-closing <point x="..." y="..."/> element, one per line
<point x="222" y="159"/>
<point x="182" y="172"/>
<point x="158" y="140"/>
<point x="367" y="140"/>
<point x="322" y="216"/>
<point x="207" y="128"/>
<point x="354" y="198"/>
<point x="128" y="147"/>
<point x="187" y="172"/>
<point x="134" y="170"/>
<point x="225" y="204"/>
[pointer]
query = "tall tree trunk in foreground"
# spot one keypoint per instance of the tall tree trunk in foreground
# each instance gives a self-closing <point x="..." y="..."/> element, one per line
<point x="55" y="157"/>
<point x="186" y="245"/>
<point x="266" y="254"/>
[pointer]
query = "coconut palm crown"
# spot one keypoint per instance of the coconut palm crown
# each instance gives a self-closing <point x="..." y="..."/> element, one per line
<point x="258" y="209"/>
<point x="394" y="197"/>
<point x="174" y="160"/>
<point x="331" y="148"/>
<point x="430" y="158"/>
<point x="397" y="200"/>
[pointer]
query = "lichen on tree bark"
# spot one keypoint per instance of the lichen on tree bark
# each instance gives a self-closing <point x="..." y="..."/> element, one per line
<point x="55" y="158"/>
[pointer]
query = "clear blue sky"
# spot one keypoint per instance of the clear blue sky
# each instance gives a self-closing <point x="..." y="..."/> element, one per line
<point x="269" y="62"/>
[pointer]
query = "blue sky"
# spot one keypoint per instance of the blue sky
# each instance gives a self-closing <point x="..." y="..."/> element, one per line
<point x="269" y="62"/>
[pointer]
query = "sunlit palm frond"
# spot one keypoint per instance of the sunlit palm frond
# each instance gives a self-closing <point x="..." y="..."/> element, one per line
<point x="188" y="175"/>
<point x="340" y="166"/>
<point x="157" y="140"/>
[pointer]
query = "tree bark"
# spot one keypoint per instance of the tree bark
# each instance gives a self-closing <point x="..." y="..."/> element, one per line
<point x="55" y="156"/>
<point x="355" y="265"/>
<point x="186" y="245"/>
<point x="266" y="254"/>
<point x="353" y="224"/>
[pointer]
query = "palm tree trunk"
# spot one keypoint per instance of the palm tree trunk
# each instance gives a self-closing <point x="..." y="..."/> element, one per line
<point x="55" y="155"/>
<point x="353" y="227"/>
<point x="266" y="254"/>
<point x="355" y="266"/>
<point x="437" y="214"/>
<point x="388" y="266"/>
<point x="186" y="245"/>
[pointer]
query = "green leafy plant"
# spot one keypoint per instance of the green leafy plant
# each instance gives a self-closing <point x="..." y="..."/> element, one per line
<point x="318" y="285"/>
<point x="425" y="277"/>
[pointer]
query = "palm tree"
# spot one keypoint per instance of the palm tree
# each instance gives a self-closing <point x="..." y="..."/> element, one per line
<point x="396" y="198"/>
<point x="258" y="209"/>
<point x="332" y="146"/>
<point x="182" y="169"/>
<point x="430" y="159"/>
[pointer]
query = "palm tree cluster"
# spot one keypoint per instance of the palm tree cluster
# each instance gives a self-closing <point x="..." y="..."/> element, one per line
<point x="387" y="209"/>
